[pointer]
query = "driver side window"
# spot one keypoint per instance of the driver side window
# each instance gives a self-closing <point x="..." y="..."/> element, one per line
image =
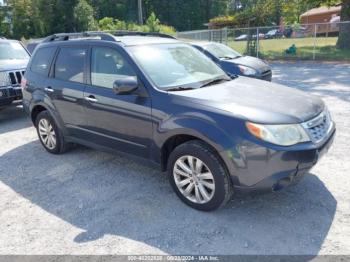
<point x="107" y="66"/>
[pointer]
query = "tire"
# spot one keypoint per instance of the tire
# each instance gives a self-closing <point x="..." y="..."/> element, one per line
<point x="218" y="187"/>
<point x="60" y="146"/>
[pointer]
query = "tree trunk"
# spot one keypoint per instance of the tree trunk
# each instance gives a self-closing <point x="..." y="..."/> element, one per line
<point x="344" y="33"/>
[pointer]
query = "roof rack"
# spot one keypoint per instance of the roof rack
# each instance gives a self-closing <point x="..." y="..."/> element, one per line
<point x="2" y="37"/>
<point x="69" y="36"/>
<point x="137" y="33"/>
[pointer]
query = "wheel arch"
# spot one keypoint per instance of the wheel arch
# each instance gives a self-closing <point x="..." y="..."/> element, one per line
<point x="38" y="107"/>
<point x="36" y="110"/>
<point x="178" y="139"/>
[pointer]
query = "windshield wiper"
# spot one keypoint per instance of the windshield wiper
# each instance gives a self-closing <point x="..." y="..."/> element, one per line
<point x="230" y="57"/>
<point x="180" y="88"/>
<point x="226" y="57"/>
<point x="214" y="81"/>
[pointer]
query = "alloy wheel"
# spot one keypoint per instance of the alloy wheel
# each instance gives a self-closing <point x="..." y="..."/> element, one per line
<point x="194" y="179"/>
<point x="47" y="134"/>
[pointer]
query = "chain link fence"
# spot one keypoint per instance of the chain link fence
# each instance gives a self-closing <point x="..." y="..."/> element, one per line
<point x="297" y="42"/>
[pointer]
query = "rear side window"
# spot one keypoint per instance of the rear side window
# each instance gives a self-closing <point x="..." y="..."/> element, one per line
<point x="42" y="61"/>
<point x="70" y="64"/>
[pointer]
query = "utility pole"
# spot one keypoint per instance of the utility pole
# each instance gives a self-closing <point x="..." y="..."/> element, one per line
<point x="139" y="6"/>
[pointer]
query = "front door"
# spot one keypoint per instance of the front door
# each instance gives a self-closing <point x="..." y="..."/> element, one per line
<point x="120" y="122"/>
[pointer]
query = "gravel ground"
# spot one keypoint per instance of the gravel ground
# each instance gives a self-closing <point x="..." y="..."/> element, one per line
<point x="88" y="202"/>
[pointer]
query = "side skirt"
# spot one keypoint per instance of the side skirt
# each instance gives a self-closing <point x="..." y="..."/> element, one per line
<point x="140" y="160"/>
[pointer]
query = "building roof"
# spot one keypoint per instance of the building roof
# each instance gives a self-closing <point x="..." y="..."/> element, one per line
<point x="322" y="10"/>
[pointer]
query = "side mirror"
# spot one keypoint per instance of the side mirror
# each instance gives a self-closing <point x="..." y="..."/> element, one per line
<point x="125" y="85"/>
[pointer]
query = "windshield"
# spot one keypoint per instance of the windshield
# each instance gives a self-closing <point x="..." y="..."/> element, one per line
<point x="12" y="50"/>
<point x="222" y="51"/>
<point x="176" y="65"/>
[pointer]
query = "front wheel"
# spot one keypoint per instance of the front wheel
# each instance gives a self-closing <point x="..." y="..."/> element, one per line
<point x="198" y="176"/>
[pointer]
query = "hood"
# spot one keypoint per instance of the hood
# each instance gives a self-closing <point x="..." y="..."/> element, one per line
<point x="257" y="101"/>
<point x="13" y="64"/>
<point x="249" y="61"/>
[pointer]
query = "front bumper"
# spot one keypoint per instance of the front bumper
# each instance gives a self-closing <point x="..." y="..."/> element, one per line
<point x="254" y="168"/>
<point x="10" y="94"/>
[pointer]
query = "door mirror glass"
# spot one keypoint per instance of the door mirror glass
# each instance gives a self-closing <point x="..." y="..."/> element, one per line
<point x="125" y="85"/>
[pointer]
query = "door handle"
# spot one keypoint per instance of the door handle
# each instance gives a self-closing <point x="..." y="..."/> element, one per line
<point x="91" y="99"/>
<point x="49" y="89"/>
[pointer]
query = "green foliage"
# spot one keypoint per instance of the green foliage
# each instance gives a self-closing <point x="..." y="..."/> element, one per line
<point x="84" y="17"/>
<point x="165" y="29"/>
<point x="24" y="18"/>
<point x="252" y="13"/>
<point x="152" y="25"/>
<point x="4" y="26"/>
<point x="106" y="24"/>
<point x="38" y="18"/>
<point x="223" y="21"/>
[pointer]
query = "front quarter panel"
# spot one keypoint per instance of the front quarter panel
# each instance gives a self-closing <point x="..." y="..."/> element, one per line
<point x="217" y="128"/>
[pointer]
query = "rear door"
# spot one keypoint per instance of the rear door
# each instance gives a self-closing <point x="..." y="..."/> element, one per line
<point x="67" y="84"/>
<point x="37" y="74"/>
<point x="121" y="122"/>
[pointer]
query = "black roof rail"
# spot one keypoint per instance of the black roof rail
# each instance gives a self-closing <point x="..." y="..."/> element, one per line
<point x="2" y="37"/>
<point x="68" y="36"/>
<point x="138" y="33"/>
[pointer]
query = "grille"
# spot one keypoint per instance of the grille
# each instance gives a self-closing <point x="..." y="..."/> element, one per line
<point x="265" y="73"/>
<point x="16" y="77"/>
<point x="319" y="127"/>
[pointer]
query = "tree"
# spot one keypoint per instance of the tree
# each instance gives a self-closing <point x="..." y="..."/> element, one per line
<point x="153" y="23"/>
<point x="84" y="17"/>
<point x="4" y="25"/>
<point x="22" y="17"/>
<point x="293" y="9"/>
<point x="106" y="24"/>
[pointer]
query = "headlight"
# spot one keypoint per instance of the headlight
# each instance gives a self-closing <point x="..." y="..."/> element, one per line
<point x="283" y="135"/>
<point x="4" y="79"/>
<point x="247" y="71"/>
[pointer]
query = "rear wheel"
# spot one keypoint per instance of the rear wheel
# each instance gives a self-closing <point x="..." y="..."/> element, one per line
<point x="198" y="176"/>
<point x="49" y="134"/>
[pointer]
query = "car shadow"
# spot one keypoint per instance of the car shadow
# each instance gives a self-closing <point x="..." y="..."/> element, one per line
<point x="314" y="77"/>
<point x="13" y="118"/>
<point x="107" y="194"/>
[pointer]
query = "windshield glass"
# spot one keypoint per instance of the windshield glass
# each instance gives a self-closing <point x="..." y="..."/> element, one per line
<point x="221" y="51"/>
<point x="12" y="50"/>
<point x="176" y="65"/>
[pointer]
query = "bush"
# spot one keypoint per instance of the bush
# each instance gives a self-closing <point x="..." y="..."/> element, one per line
<point x="223" y="21"/>
<point x="165" y="29"/>
<point x="152" y="25"/>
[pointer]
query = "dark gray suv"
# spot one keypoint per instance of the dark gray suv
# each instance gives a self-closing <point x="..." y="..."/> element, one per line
<point x="163" y="100"/>
<point x="13" y="61"/>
